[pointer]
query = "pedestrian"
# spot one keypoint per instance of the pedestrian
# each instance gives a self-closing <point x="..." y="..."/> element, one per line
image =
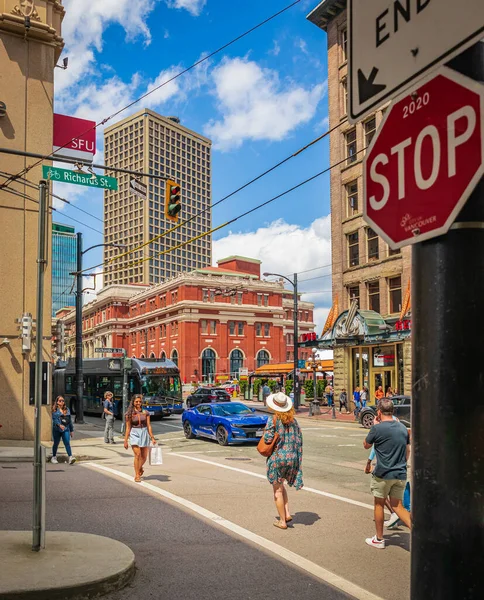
<point x="343" y="401"/>
<point x="329" y="395"/>
<point x="284" y="464"/>
<point x="108" y="412"/>
<point x="363" y="396"/>
<point x="392" y="447"/>
<point x="379" y="394"/>
<point x="389" y="392"/>
<point x="266" y="390"/>
<point x="138" y="432"/>
<point x="356" y="400"/>
<point x="62" y="429"/>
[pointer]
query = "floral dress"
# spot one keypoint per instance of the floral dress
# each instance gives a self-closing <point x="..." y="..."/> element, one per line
<point x="285" y="461"/>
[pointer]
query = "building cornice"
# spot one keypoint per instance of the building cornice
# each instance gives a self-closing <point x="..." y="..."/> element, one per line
<point x="325" y="12"/>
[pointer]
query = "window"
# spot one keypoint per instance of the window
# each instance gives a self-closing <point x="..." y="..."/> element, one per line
<point x="374" y="296"/>
<point x="370" y="128"/>
<point x="231" y="327"/>
<point x="213" y="326"/>
<point x="395" y="291"/>
<point x="350" y="141"/>
<point x="393" y="252"/>
<point x="240" y="328"/>
<point x="208" y="365"/>
<point x="174" y="357"/>
<point x="258" y="329"/>
<point x="354" y="294"/>
<point x="205" y="296"/>
<point x="262" y="358"/>
<point x="203" y="325"/>
<point x="344" y="95"/>
<point x="344" y="44"/>
<point x="372" y="244"/>
<point x="259" y="299"/>
<point x="236" y="363"/>
<point x="353" y="249"/>
<point x="266" y="300"/>
<point x="352" y="198"/>
<point x="267" y="329"/>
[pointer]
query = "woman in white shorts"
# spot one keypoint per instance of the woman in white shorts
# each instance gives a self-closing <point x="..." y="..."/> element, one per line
<point x="139" y="434"/>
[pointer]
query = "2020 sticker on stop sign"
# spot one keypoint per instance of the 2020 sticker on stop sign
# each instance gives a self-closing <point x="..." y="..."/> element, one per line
<point x="425" y="159"/>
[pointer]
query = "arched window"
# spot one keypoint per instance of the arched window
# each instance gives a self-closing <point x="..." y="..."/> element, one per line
<point x="208" y="365"/>
<point x="174" y="357"/>
<point x="262" y="358"/>
<point x="142" y="357"/>
<point x="163" y="355"/>
<point x="152" y="355"/>
<point x="236" y="363"/>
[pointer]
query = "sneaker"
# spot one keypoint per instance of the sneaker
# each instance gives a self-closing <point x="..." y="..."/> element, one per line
<point x="396" y="524"/>
<point x="375" y="543"/>
<point x="72" y="460"/>
<point x="54" y="460"/>
<point x="113" y="442"/>
<point x="392" y="520"/>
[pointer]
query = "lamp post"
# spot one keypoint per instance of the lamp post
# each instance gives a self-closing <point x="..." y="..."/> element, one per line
<point x="293" y="282"/>
<point x="79" y="370"/>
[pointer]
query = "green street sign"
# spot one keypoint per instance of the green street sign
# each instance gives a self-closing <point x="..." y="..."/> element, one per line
<point x="66" y="176"/>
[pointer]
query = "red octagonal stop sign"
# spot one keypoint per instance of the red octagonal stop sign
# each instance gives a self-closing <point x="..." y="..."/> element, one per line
<point x="425" y="160"/>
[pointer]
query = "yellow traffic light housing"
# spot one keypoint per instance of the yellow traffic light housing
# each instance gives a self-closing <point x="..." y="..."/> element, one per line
<point x="172" y="200"/>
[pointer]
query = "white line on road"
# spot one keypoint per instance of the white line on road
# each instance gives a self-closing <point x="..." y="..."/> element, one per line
<point x="346" y="445"/>
<point x="170" y="425"/>
<point x="280" y="551"/>
<point x="306" y="489"/>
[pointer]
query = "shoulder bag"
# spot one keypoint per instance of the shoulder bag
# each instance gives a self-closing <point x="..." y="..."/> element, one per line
<point x="266" y="449"/>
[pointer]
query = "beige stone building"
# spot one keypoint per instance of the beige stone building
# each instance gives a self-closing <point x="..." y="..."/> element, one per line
<point x="30" y="45"/>
<point x="371" y="344"/>
<point x="151" y="143"/>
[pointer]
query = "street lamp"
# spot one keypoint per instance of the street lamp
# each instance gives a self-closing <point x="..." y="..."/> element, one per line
<point x="293" y="282"/>
<point x="314" y="407"/>
<point x="79" y="369"/>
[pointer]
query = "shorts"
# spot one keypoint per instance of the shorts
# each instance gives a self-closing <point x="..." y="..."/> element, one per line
<point x="382" y="488"/>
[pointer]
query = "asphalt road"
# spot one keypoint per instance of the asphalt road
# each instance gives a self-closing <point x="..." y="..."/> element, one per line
<point x="332" y="514"/>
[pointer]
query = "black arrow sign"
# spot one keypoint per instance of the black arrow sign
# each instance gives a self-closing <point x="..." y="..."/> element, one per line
<point x="366" y="88"/>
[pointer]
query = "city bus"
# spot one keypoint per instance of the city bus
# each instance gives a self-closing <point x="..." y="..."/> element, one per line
<point x="157" y="380"/>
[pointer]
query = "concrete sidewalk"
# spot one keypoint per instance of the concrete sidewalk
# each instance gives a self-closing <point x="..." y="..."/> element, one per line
<point x="73" y="565"/>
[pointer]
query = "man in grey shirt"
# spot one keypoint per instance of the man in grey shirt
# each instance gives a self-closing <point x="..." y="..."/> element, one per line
<point x="108" y="409"/>
<point x="392" y="447"/>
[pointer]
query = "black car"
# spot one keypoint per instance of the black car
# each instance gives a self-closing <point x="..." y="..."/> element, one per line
<point x="401" y="405"/>
<point x="204" y="395"/>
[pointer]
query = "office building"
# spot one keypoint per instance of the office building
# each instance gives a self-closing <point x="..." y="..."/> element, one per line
<point x="371" y="343"/>
<point x="150" y="143"/>
<point x="64" y="261"/>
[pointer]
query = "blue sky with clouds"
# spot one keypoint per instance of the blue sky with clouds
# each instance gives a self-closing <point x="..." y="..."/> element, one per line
<point x="260" y="100"/>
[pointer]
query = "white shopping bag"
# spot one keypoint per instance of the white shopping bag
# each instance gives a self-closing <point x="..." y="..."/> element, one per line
<point x="156" y="457"/>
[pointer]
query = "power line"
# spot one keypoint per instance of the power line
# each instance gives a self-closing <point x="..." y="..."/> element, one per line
<point x="118" y="112"/>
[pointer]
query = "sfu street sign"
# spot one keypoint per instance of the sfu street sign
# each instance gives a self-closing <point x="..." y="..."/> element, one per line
<point x="74" y="138"/>
<point x="425" y="159"/>
<point x="394" y="42"/>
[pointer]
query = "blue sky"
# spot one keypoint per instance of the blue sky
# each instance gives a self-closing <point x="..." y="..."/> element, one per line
<point x="259" y="101"/>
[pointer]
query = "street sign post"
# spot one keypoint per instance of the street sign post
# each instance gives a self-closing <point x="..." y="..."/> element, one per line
<point x="67" y="176"/>
<point x="425" y="159"/>
<point x="391" y="44"/>
<point x="138" y="188"/>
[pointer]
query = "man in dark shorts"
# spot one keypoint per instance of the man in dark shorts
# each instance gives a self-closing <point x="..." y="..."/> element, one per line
<point x="392" y="447"/>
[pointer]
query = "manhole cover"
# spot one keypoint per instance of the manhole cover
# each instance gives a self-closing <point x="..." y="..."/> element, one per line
<point x="237" y="458"/>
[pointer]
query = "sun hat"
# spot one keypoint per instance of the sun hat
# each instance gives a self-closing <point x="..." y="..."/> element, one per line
<point x="279" y="402"/>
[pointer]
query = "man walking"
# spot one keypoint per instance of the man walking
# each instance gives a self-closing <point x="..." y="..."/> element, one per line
<point x="266" y="391"/>
<point x="109" y="416"/>
<point x="392" y="447"/>
<point x="343" y="401"/>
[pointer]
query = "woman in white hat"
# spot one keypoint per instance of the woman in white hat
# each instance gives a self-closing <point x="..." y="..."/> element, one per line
<point x="284" y="464"/>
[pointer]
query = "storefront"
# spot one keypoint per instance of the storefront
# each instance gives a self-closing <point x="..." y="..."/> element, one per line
<point x="369" y="351"/>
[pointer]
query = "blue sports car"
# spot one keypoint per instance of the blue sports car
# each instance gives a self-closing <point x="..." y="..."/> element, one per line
<point x="226" y="422"/>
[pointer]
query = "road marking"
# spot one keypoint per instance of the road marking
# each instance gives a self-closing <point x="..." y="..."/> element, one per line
<point x="170" y="425"/>
<point x="279" y="551"/>
<point x="331" y="436"/>
<point x="346" y="445"/>
<point x="306" y="489"/>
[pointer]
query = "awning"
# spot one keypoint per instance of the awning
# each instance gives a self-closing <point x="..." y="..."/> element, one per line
<point x="274" y="370"/>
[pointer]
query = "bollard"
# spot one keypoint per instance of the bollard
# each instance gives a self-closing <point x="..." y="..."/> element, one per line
<point x="334" y="412"/>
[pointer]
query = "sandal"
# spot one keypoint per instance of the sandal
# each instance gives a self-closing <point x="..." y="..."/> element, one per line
<point x="141" y="471"/>
<point x="288" y="519"/>
<point x="279" y="525"/>
<point x="137" y="479"/>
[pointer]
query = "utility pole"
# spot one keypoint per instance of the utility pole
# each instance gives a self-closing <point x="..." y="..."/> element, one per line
<point x="79" y="368"/>
<point x="296" y="353"/>
<point x="38" y="529"/>
<point x="447" y="409"/>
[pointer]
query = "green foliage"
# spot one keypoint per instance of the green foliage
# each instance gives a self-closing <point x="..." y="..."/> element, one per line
<point x="288" y="387"/>
<point x="309" y="388"/>
<point x="321" y="386"/>
<point x="257" y="384"/>
<point x="272" y="383"/>
<point x="243" y="387"/>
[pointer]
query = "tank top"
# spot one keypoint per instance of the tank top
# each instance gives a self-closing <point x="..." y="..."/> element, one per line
<point x="138" y="419"/>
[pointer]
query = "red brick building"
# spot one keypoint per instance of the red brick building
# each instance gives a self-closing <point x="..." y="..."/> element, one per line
<point x="211" y="321"/>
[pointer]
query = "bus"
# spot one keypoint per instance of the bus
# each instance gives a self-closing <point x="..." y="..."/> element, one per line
<point x="157" y="380"/>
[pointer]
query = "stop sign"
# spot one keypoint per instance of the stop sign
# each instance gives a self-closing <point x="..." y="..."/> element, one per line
<point x="425" y="159"/>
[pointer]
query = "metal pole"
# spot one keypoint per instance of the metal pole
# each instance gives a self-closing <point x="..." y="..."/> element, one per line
<point x="296" y="336"/>
<point x="38" y="504"/>
<point x="448" y="374"/>
<point x="79" y="368"/>
<point x="125" y="392"/>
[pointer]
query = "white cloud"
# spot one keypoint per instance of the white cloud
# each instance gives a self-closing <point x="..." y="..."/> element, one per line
<point x="95" y="282"/>
<point x="275" y="49"/>
<point x="302" y="45"/>
<point x="255" y="106"/>
<point x="288" y="248"/>
<point x="194" y="7"/>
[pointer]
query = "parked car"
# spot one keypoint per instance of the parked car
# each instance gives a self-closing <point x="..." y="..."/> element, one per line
<point x="402" y="405"/>
<point x="206" y="394"/>
<point x="226" y="422"/>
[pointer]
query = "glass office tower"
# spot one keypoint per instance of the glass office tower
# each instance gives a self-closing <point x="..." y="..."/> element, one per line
<point x="64" y="250"/>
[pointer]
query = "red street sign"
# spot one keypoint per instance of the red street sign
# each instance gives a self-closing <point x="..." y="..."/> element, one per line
<point x="425" y="159"/>
<point x="78" y="136"/>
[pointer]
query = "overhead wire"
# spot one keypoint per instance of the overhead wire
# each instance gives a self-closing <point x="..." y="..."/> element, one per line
<point x="151" y="91"/>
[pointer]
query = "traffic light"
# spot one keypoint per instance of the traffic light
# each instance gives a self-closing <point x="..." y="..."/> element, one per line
<point x="172" y="200"/>
<point x="60" y="331"/>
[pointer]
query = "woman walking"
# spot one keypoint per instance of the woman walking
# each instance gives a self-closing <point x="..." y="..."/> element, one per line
<point x="139" y="433"/>
<point x="284" y="464"/>
<point x="62" y="429"/>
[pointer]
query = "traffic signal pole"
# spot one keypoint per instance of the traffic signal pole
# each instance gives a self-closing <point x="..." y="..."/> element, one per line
<point x="296" y="347"/>
<point x="448" y="405"/>
<point x="79" y="368"/>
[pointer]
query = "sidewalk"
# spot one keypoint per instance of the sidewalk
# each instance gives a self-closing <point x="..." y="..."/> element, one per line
<point x="303" y="412"/>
